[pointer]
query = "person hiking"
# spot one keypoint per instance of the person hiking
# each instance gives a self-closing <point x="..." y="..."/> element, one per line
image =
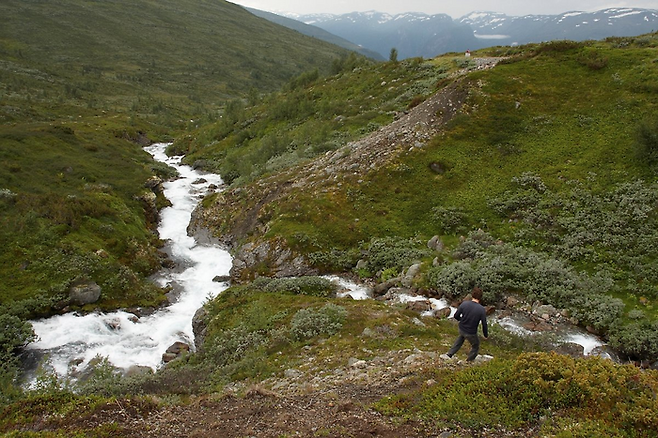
<point x="470" y="314"/>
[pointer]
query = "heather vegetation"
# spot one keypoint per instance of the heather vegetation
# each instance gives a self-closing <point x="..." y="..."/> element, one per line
<point x="546" y="189"/>
<point x="83" y="86"/>
<point x="314" y="114"/>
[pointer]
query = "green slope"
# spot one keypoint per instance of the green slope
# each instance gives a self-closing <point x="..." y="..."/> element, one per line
<point x="183" y="56"/>
<point x="544" y="156"/>
<point x="81" y="82"/>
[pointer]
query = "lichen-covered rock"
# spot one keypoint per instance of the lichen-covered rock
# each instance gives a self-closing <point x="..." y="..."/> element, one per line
<point x="199" y="327"/>
<point x="271" y="258"/>
<point x="83" y="293"/>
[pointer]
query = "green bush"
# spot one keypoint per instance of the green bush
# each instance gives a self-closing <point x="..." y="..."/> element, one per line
<point x="636" y="340"/>
<point x="646" y="142"/>
<point x="502" y="268"/>
<point x="15" y="334"/>
<point x="308" y="323"/>
<point x="517" y="394"/>
<point x="393" y="252"/>
<point x="309" y="285"/>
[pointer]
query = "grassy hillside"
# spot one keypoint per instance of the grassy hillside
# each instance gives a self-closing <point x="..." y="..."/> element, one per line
<point x="179" y="59"/>
<point x="82" y="84"/>
<point x="553" y="154"/>
<point x="543" y="185"/>
<point x="287" y="350"/>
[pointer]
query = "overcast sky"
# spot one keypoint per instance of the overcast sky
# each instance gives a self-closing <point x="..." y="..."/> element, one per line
<point x="454" y="8"/>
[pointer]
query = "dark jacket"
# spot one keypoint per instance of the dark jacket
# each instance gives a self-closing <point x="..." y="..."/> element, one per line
<point x="469" y="314"/>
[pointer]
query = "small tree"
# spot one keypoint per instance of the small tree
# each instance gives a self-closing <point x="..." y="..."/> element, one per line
<point x="393" y="57"/>
<point x="646" y="143"/>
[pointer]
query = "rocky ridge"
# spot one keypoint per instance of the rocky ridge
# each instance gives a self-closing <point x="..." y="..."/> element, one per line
<point x="240" y="216"/>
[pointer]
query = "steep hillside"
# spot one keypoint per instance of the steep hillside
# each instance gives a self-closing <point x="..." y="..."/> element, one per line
<point x="183" y="57"/>
<point x="535" y="154"/>
<point x="84" y="85"/>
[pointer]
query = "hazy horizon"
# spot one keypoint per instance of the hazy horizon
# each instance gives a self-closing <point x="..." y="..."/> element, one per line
<point x="454" y="9"/>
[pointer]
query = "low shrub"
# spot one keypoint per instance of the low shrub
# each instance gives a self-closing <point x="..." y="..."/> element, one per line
<point x="500" y="268"/>
<point x="308" y="323"/>
<point x="517" y="393"/>
<point x="310" y="285"/>
<point x="393" y="252"/>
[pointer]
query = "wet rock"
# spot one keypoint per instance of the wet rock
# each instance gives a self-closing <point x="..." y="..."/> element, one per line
<point x="199" y="327"/>
<point x="113" y="324"/>
<point x="545" y="311"/>
<point x="222" y="278"/>
<point x="419" y="306"/>
<point x="382" y="288"/>
<point x="82" y="293"/>
<point x="274" y="255"/>
<point x="176" y="350"/>
<point x="442" y="313"/>
<point x="592" y="330"/>
<point x="570" y="349"/>
<point x="606" y="352"/>
<point x="538" y="326"/>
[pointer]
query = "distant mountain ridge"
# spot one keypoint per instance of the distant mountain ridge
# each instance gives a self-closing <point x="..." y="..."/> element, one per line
<point x="418" y="34"/>
<point x="315" y="32"/>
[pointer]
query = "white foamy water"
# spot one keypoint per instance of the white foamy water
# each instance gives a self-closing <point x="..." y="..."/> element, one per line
<point x="349" y="288"/>
<point x="70" y="341"/>
<point x="576" y="336"/>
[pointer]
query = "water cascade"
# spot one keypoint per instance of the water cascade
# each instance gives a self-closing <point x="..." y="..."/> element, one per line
<point x="71" y="341"/>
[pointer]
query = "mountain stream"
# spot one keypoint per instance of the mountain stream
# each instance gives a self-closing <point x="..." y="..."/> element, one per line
<point x="71" y="341"/>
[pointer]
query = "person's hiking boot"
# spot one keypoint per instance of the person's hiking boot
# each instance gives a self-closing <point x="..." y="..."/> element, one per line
<point x="446" y="356"/>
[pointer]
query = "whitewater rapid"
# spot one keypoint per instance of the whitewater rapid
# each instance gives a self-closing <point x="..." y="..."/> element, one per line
<point x="69" y="342"/>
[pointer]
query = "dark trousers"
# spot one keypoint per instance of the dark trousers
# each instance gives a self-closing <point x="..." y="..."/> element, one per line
<point x="474" y="340"/>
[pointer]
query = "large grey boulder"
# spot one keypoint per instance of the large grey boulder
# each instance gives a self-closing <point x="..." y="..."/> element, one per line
<point x="83" y="293"/>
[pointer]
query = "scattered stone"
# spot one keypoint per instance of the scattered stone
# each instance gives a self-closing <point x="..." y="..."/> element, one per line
<point x="418" y="322"/>
<point x="443" y="313"/>
<point x="545" y="311"/>
<point x="292" y="373"/>
<point x="435" y="243"/>
<point x="368" y="333"/>
<point x="138" y="370"/>
<point x="222" y="278"/>
<point x="357" y="363"/>
<point x="411" y="273"/>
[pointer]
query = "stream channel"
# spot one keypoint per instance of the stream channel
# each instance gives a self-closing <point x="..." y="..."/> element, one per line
<point x="68" y="343"/>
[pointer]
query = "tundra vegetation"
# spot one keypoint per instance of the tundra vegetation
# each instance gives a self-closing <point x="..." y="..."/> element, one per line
<point x="547" y="190"/>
